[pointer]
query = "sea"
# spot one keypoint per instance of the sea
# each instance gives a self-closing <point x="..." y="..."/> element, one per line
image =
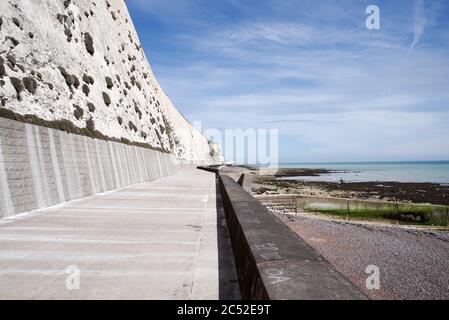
<point x="403" y="171"/>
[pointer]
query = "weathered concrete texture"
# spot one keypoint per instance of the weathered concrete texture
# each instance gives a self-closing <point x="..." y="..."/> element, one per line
<point x="154" y="240"/>
<point x="41" y="167"/>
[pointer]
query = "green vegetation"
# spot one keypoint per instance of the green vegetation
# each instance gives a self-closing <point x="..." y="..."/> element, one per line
<point x="402" y="213"/>
<point x="69" y="127"/>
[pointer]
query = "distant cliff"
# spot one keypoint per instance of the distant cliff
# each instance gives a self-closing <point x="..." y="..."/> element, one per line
<point x="81" y="60"/>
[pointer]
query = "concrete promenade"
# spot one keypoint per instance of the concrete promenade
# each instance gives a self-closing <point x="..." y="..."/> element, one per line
<point x="153" y="240"/>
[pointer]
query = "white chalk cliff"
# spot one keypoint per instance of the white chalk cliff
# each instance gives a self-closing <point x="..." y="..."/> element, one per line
<point x="81" y="60"/>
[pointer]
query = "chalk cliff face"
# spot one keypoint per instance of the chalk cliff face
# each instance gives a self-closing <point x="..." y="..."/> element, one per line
<point x="81" y="60"/>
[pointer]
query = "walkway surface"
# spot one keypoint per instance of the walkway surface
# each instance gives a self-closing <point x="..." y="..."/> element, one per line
<point x="155" y="240"/>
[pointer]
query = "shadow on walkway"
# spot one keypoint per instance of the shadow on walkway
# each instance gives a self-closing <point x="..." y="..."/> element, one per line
<point x="228" y="280"/>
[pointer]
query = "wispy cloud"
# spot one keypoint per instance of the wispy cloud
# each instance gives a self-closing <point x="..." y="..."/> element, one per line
<point x="420" y="21"/>
<point x="312" y="71"/>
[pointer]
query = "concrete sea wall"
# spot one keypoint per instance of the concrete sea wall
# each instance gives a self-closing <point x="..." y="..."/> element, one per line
<point x="41" y="167"/>
<point x="271" y="260"/>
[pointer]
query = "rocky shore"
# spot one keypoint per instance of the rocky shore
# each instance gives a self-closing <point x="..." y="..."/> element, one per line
<point x="386" y="191"/>
<point x="412" y="260"/>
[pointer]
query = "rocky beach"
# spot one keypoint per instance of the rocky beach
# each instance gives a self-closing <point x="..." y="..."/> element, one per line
<point x="412" y="260"/>
<point x="407" y="192"/>
<point x="413" y="263"/>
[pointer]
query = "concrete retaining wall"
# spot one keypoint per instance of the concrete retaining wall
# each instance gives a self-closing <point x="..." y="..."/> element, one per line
<point x="272" y="262"/>
<point x="41" y="167"/>
<point x="278" y="203"/>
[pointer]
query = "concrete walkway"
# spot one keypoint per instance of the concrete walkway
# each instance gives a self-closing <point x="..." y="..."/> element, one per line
<point x="155" y="240"/>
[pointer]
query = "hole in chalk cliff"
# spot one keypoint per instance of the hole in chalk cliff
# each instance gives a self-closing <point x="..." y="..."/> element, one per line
<point x="18" y="86"/>
<point x="70" y="80"/>
<point x="109" y="83"/>
<point x="30" y="85"/>
<point x="68" y="34"/>
<point x="61" y="18"/>
<point x="12" y="60"/>
<point x="91" y="107"/>
<point x="2" y="70"/>
<point x="14" y="41"/>
<point x="21" y="68"/>
<point x="17" y="22"/>
<point x="89" y="43"/>
<point x="139" y="113"/>
<point x="88" y="79"/>
<point x="106" y="98"/>
<point x="78" y="112"/>
<point x="86" y="90"/>
<point x="76" y="82"/>
<point x="132" y="126"/>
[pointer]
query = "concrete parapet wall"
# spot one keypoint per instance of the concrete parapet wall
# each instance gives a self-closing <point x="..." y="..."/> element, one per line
<point x="272" y="261"/>
<point x="41" y="167"/>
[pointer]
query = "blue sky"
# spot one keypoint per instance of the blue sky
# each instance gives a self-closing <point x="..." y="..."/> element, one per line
<point x="335" y="90"/>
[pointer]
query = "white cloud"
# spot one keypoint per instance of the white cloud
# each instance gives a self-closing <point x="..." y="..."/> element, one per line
<point x="419" y="23"/>
<point x="320" y="83"/>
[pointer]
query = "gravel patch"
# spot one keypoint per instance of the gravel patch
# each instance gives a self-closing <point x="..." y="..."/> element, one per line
<point x="414" y="264"/>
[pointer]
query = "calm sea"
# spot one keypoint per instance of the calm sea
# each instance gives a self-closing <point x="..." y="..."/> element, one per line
<point x="423" y="171"/>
